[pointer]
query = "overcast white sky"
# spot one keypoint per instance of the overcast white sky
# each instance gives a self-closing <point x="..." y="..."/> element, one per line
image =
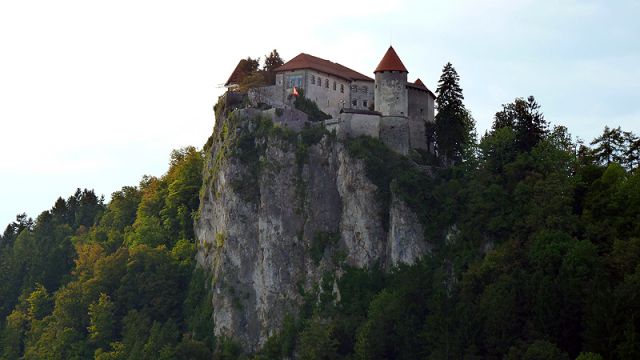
<point x="97" y="94"/>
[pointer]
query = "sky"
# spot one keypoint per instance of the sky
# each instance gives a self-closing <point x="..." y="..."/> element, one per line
<point x="96" y="94"/>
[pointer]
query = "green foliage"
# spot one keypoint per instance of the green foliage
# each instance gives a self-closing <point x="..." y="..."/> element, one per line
<point x="394" y="174"/>
<point x="101" y="328"/>
<point x="271" y="62"/>
<point x="525" y="119"/>
<point x="320" y="242"/>
<point x="309" y="107"/>
<point x="317" y="340"/>
<point x="110" y="282"/>
<point x="454" y="126"/>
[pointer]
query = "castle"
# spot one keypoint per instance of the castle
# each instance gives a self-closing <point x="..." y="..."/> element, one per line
<point x="389" y="107"/>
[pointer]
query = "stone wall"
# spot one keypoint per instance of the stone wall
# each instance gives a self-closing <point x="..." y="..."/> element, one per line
<point x="329" y="100"/>
<point x="270" y="95"/>
<point x="394" y="132"/>
<point x="391" y="97"/>
<point x="418" y="116"/>
<point x="354" y="124"/>
<point x="362" y="94"/>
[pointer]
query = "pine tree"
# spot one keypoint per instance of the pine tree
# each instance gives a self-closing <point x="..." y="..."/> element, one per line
<point x="631" y="150"/>
<point x="452" y="122"/>
<point x="531" y="126"/>
<point x="609" y="146"/>
<point x="525" y="118"/>
<point x="271" y="62"/>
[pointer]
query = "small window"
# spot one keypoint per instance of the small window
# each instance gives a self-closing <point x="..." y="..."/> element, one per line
<point x="326" y="84"/>
<point x="334" y="86"/>
<point x="354" y="103"/>
<point x="365" y="103"/>
<point x="341" y="88"/>
<point x="365" y="89"/>
<point x="319" y="81"/>
<point x="354" y="88"/>
<point x="313" y="79"/>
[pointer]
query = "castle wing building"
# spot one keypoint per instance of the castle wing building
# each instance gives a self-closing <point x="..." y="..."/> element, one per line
<point x="331" y="85"/>
<point x="388" y="107"/>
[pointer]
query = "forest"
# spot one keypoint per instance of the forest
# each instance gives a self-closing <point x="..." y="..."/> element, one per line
<point x="536" y="256"/>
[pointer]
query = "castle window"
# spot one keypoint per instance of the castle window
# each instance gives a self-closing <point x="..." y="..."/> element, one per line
<point x="313" y="79"/>
<point x="341" y="88"/>
<point x="354" y="103"/>
<point x="334" y="86"/>
<point x="326" y="83"/>
<point x="354" y="88"/>
<point x="319" y="81"/>
<point x="364" y="103"/>
<point x="365" y="89"/>
<point x="295" y="80"/>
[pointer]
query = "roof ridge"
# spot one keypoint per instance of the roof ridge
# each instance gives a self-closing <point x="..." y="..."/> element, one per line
<point x="308" y="61"/>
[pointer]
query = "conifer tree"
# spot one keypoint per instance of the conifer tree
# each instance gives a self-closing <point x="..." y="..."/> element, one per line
<point x="632" y="150"/>
<point x="271" y="62"/>
<point x="452" y="119"/>
<point x="526" y="120"/>
<point x="609" y="146"/>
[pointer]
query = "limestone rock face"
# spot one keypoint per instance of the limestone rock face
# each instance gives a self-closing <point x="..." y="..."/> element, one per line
<point x="272" y="226"/>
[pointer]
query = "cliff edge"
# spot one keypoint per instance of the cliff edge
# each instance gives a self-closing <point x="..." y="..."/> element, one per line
<point x="281" y="209"/>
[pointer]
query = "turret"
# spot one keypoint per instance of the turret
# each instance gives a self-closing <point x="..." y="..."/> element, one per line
<point x="391" y="98"/>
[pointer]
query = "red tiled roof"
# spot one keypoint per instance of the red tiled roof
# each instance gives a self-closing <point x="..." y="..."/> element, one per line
<point x="306" y="61"/>
<point x="238" y="74"/>
<point x="419" y="85"/>
<point x="391" y="62"/>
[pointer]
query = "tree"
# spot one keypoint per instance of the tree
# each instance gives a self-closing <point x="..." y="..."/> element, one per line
<point x="632" y="150"/>
<point x="609" y="146"/>
<point x="102" y="321"/>
<point x="317" y="341"/>
<point x="272" y="61"/>
<point x="525" y="118"/>
<point x="40" y="304"/>
<point x="452" y="119"/>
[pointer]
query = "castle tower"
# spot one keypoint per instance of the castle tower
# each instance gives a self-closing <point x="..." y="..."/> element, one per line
<point x="391" y="98"/>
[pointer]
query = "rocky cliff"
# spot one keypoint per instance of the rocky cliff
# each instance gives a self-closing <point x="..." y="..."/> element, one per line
<point x="278" y="210"/>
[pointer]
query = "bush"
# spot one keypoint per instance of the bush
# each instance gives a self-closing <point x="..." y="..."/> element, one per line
<point x="309" y="107"/>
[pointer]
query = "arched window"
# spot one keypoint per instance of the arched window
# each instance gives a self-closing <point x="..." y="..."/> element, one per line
<point x="326" y="83"/>
<point x="334" y="86"/>
<point x="313" y="79"/>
